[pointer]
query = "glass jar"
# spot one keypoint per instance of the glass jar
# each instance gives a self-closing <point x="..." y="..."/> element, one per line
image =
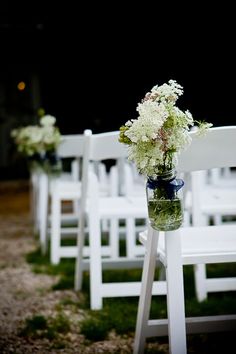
<point x="165" y="201"/>
<point x="52" y="163"/>
<point x="48" y="162"/>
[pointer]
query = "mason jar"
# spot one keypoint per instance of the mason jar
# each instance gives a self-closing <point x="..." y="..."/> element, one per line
<point x="165" y="201"/>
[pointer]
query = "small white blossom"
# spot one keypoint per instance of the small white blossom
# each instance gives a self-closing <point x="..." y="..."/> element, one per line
<point x="160" y="132"/>
<point x="47" y="120"/>
<point x="202" y="128"/>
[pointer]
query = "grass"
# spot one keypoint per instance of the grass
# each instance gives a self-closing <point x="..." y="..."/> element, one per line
<point x="65" y="269"/>
<point x="51" y="328"/>
<point x="119" y="314"/>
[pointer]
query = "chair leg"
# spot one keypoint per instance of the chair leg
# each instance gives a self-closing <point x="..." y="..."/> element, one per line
<point x="37" y="208"/>
<point x="95" y="263"/>
<point x="105" y="225"/>
<point x="43" y="211"/>
<point x="217" y="219"/>
<point x="114" y="237"/>
<point x="200" y="269"/>
<point x="146" y="291"/>
<point x="33" y="199"/>
<point x="200" y="281"/>
<point x="175" y="294"/>
<point x="79" y="258"/>
<point x="130" y="237"/>
<point x="55" y="230"/>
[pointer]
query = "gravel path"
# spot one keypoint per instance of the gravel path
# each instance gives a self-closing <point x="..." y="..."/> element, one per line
<point x="24" y="294"/>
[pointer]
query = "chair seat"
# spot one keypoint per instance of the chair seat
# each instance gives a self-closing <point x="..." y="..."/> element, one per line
<point x="66" y="189"/>
<point x="207" y="244"/>
<point x="219" y="199"/>
<point x="122" y="207"/>
<point x="215" y="200"/>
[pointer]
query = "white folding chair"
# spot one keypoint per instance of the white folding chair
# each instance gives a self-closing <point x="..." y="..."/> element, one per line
<point x="61" y="190"/>
<point x="94" y="209"/>
<point x="188" y="245"/>
<point x="212" y="201"/>
<point x="70" y="147"/>
<point x="71" y="191"/>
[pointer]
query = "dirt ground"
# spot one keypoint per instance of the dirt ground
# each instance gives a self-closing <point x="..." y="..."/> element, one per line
<point x="24" y="294"/>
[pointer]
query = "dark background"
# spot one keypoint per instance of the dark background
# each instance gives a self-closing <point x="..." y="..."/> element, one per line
<point x="90" y="65"/>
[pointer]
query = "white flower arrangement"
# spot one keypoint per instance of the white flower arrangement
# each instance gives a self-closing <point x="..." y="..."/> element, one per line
<point x="37" y="139"/>
<point x="39" y="144"/>
<point x="161" y="130"/>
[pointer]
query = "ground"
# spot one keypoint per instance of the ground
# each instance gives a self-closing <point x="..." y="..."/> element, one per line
<point x="34" y="318"/>
<point x="24" y="294"/>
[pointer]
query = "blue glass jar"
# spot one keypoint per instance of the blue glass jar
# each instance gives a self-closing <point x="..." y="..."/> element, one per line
<point x="48" y="162"/>
<point x="165" y="201"/>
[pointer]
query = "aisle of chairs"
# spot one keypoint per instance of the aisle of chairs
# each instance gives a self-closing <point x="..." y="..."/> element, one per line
<point x="107" y="195"/>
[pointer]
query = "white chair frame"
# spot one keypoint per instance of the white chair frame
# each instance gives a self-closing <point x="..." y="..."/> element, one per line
<point x="70" y="147"/>
<point x="190" y="245"/>
<point x="93" y="210"/>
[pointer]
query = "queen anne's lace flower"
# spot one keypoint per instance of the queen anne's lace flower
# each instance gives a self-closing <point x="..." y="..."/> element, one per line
<point x="161" y="130"/>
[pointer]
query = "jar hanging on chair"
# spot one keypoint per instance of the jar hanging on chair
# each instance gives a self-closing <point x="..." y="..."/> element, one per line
<point x="165" y="201"/>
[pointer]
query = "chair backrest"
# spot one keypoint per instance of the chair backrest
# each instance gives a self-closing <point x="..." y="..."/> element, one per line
<point x="71" y="146"/>
<point x="98" y="147"/>
<point x="215" y="149"/>
<point x="106" y="146"/>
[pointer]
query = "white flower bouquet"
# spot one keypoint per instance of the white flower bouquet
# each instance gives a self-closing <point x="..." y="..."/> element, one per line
<point x="161" y="130"/>
<point x="39" y="143"/>
<point x="154" y="141"/>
